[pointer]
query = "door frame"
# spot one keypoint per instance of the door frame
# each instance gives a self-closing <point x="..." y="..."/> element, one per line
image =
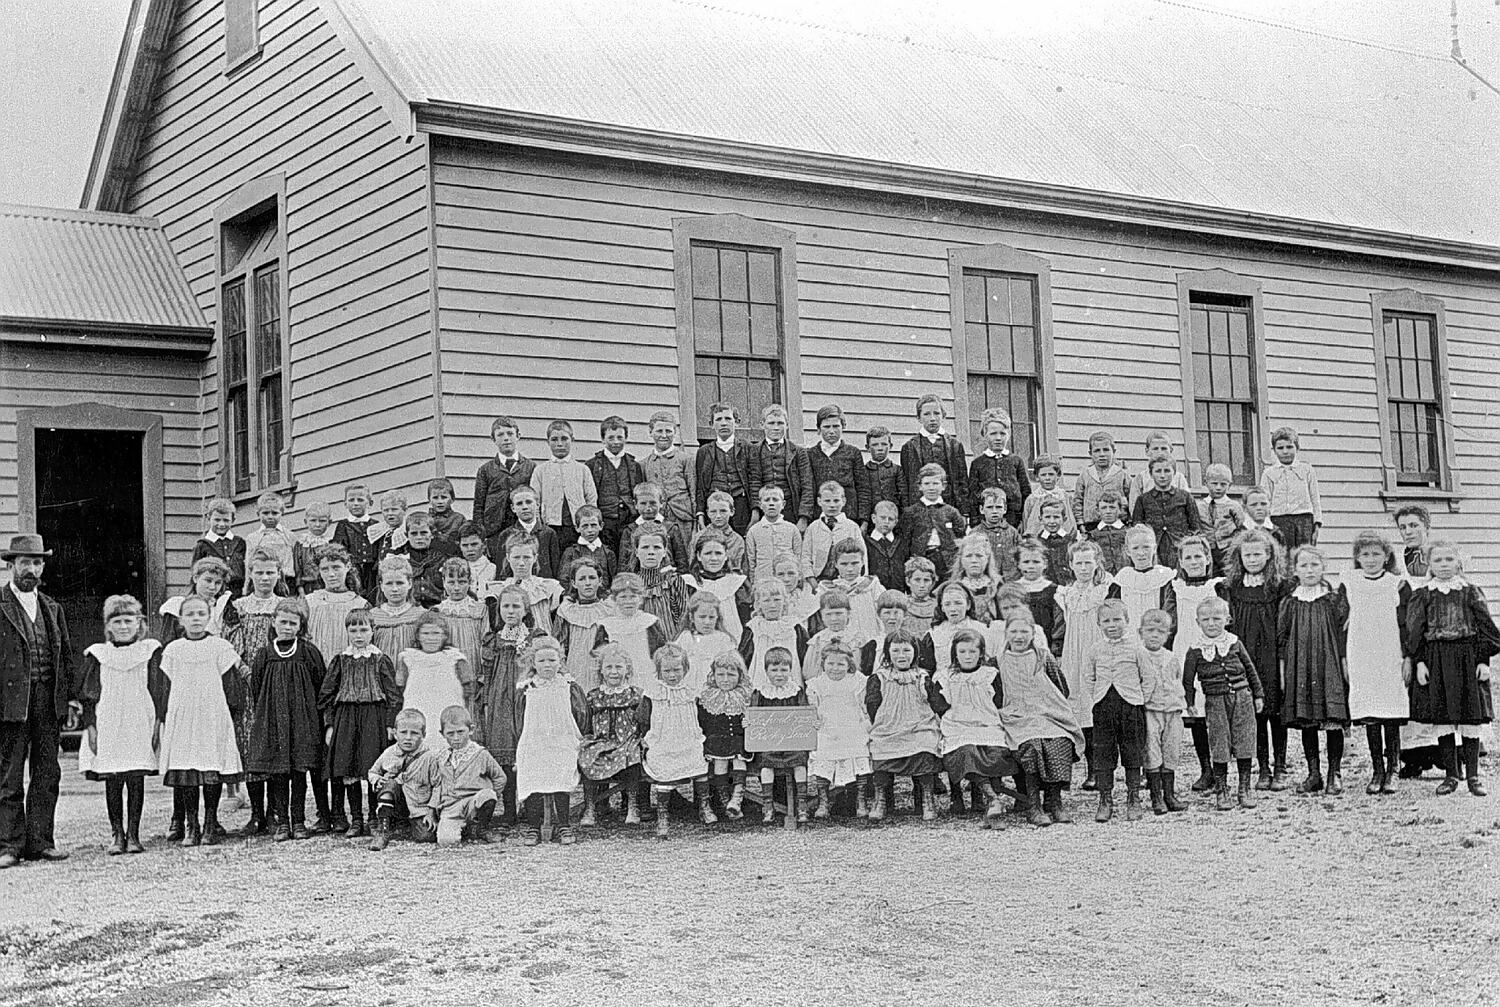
<point x="98" y="416"/>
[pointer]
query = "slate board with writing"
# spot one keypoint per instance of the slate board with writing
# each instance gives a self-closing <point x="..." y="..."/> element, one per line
<point x="781" y="729"/>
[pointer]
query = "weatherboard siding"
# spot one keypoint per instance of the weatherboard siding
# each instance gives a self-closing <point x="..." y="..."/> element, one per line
<point x="358" y="286"/>
<point x="44" y="377"/>
<point x="556" y="298"/>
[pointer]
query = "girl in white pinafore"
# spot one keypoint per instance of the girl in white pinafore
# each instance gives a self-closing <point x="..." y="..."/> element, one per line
<point x="1377" y="684"/>
<point x="551" y="714"/>
<point x="673" y="737"/>
<point x="434" y="677"/>
<point x="843" y="753"/>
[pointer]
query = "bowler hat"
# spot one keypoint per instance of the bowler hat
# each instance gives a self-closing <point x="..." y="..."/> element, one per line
<point x="24" y="545"/>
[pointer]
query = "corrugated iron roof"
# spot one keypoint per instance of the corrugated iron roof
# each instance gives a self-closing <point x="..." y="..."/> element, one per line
<point x="1146" y="98"/>
<point x="83" y="266"/>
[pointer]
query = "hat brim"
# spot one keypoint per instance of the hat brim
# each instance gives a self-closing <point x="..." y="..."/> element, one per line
<point x="8" y="556"/>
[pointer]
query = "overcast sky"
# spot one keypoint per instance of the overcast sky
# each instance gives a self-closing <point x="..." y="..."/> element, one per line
<point x="56" y="58"/>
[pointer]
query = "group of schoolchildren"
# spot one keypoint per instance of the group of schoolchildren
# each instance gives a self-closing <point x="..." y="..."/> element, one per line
<point x="974" y="627"/>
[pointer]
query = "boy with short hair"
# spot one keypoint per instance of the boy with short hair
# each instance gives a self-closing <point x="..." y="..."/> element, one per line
<point x="1105" y="475"/>
<point x="670" y="466"/>
<point x="358" y="532"/>
<point x="616" y="474"/>
<point x="426" y="553"/>
<point x="776" y="461"/>
<point x="469" y="782"/>
<point x="1413" y="521"/>
<point x="883" y="552"/>
<point x="590" y="544"/>
<point x="771" y="536"/>
<point x="1114" y="684"/>
<point x="648" y="500"/>
<point x="483" y="573"/>
<point x="1258" y="514"/>
<point x="523" y="502"/>
<point x="833" y="617"/>
<point x="720" y="512"/>
<point x="1222" y="517"/>
<point x="1158" y="445"/>
<point x="270" y="537"/>
<point x="1047" y="486"/>
<point x="319" y="517"/>
<point x="1232" y="696"/>
<point x="724" y="467"/>
<point x="497" y="478"/>
<point x="1109" y="531"/>
<point x="997" y="467"/>
<point x="220" y="542"/>
<point x="932" y="445"/>
<point x="1004" y="539"/>
<point x="835" y="460"/>
<point x="931" y="527"/>
<point x="563" y="484"/>
<point x="403" y="783"/>
<point x="881" y="474"/>
<point x="1056" y="540"/>
<point x="1165" y="704"/>
<point x="831" y="528"/>
<point x="1169" y="511"/>
<point x="446" y="521"/>
<point x="1293" y="488"/>
<point x="391" y="536"/>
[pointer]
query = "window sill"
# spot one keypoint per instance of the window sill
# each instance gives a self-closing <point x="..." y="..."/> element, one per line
<point x="1421" y="494"/>
<point x="287" y="491"/>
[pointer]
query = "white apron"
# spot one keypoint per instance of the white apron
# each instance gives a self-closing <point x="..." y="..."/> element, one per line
<point x="972" y="718"/>
<point x="1376" y="688"/>
<point x="432" y="686"/>
<point x="843" y="752"/>
<point x="199" y="732"/>
<point x="547" y="751"/>
<point x="724" y="589"/>
<point x="125" y="715"/>
<point x="1188" y="634"/>
<point x="674" y="744"/>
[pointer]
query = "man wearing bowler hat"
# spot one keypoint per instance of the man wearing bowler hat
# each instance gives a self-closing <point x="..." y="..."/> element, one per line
<point x="36" y="679"/>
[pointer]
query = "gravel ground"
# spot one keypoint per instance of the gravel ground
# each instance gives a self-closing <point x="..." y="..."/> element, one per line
<point x="1300" y="901"/>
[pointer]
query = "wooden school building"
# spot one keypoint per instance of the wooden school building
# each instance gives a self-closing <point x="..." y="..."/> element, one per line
<point x="329" y="240"/>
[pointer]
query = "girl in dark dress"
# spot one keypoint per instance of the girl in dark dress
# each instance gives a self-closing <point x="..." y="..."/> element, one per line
<point x="1311" y="634"/>
<point x="1254" y="588"/>
<point x="284" y="742"/>
<point x="1451" y="638"/>
<point x="359" y="698"/>
<point x="1031" y="558"/>
<point x="721" y="715"/>
<point x="611" y="749"/>
<point x="781" y="689"/>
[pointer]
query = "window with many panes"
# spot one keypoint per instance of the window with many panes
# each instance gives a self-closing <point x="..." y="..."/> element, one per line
<point x="1413" y="398"/>
<point x="736" y="320"/>
<point x="1223" y="382"/>
<point x="1001" y="353"/>
<point x="736" y="329"/>
<point x="253" y="344"/>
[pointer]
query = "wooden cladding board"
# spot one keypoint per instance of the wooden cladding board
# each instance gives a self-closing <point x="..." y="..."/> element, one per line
<point x="556" y="299"/>
<point x="359" y="293"/>
<point x="37" y="376"/>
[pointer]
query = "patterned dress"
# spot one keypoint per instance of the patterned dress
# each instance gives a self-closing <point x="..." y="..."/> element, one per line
<point x="395" y="629"/>
<point x="497" y="689"/>
<point x="1039" y="723"/>
<point x="468" y="621"/>
<point x="578" y="628"/>
<point x="666" y="598"/>
<point x="247" y="627"/>
<point x="1080" y="607"/>
<point x="325" y="618"/>
<point x="612" y="744"/>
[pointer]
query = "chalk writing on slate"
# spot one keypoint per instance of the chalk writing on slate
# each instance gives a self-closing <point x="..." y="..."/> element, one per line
<point x="781" y="729"/>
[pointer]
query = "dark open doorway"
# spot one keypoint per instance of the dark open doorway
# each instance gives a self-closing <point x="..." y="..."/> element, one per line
<point x="90" y="511"/>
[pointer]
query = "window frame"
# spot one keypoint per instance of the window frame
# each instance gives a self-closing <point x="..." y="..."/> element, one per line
<point x="239" y="52"/>
<point x="735" y="229"/>
<point x="998" y="258"/>
<point x="251" y="200"/>
<point x="1222" y="283"/>
<point x="1413" y="302"/>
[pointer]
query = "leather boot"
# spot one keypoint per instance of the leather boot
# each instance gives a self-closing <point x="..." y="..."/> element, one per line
<point x="116" y="809"/>
<point x="734" y="807"/>
<point x="956" y="804"/>
<point x="928" y="800"/>
<point x="768" y="802"/>
<point x="877" y="805"/>
<point x="562" y="816"/>
<point x="299" y="824"/>
<point x="1133" y="811"/>
<point x="993" y="808"/>
<point x="861" y="803"/>
<point x="824" y="801"/>
<point x="1471" y="767"/>
<point x="1169" y="790"/>
<point x="705" y="805"/>
<point x="1246" y="794"/>
<point x="192" y="835"/>
<point x="1052" y="803"/>
<point x="590" y="798"/>
<point x="117" y="844"/>
<point x="380" y="831"/>
<point x="1106" y="784"/>
<point x="133" y="838"/>
<point x="632" y="806"/>
<point x="801" y="795"/>
<point x="1037" y="813"/>
<point x="1225" y="802"/>
<point x="175" y="832"/>
<point x="1158" y="800"/>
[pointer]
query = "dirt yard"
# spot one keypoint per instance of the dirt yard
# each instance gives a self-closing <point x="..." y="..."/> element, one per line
<point x="1300" y="901"/>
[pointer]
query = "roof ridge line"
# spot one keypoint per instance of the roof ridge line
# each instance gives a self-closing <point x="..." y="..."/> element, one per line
<point x="78" y="215"/>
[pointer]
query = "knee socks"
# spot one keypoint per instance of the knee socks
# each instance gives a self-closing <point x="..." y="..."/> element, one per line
<point x="1088" y="748"/>
<point x="1200" y="745"/>
<point x="1263" y="741"/>
<point x="1392" y="748"/>
<point x="320" y="793"/>
<point x="114" y="803"/>
<point x="335" y="802"/>
<point x="1310" y="751"/>
<point x="277" y="788"/>
<point x="297" y="798"/>
<point x="1335" y="752"/>
<point x="1471" y="758"/>
<point x="1375" y="738"/>
<point x="212" y="792"/>
<point x="256" y="790"/>
<point x="355" y="793"/>
<point x="189" y="797"/>
<point x="135" y="799"/>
